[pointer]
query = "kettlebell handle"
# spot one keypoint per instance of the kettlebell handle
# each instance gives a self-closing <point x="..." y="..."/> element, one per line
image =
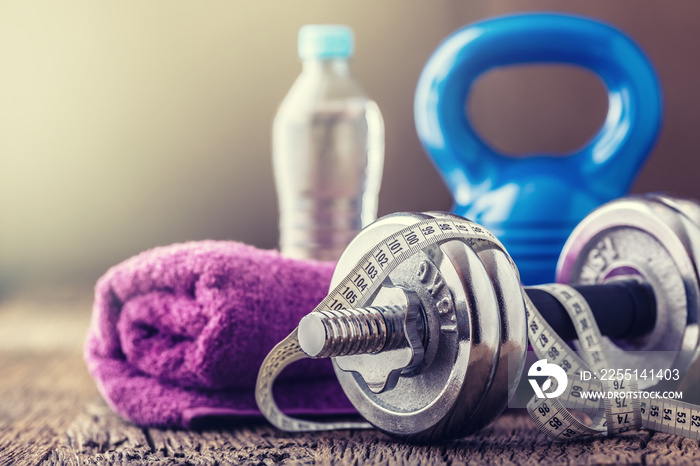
<point x="615" y="152"/>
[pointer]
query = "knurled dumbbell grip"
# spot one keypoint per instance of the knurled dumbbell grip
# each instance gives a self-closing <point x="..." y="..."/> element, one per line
<point x="624" y="309"/>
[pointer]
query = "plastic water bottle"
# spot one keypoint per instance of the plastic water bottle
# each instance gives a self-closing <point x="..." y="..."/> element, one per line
<point x="328" y="150"/>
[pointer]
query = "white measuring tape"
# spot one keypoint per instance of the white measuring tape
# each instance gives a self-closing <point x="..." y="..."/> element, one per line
<point x="612" y="415"/>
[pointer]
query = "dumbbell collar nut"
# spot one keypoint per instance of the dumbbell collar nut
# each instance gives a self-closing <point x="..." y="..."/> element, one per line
<point x="379" y="342"/>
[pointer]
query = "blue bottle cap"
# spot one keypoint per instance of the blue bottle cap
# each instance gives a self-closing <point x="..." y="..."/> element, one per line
<point x="325" y="41"/>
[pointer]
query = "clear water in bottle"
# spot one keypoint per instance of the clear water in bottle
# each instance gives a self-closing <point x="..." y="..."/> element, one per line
<point x="328" y="153"/>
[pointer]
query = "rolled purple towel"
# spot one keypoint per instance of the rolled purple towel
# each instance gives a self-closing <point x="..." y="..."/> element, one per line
<point x="178" y="333"/>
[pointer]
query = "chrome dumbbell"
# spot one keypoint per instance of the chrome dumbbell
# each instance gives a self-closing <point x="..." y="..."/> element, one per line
<point x="431" y="353"/>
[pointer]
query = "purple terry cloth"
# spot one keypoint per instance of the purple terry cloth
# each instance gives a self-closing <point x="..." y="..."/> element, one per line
<point x="178" y="333"/>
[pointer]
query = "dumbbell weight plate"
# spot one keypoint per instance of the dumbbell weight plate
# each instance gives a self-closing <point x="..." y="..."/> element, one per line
<point x="688" y="211"/>
<point x="511" y="357"/>
<point x="644" y="239"/>
<point x="687" y="206"/>
<point x="427" y="403"/>
<point x="690" y="381"/>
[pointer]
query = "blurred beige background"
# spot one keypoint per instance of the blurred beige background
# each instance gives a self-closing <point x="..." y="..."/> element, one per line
<point x="127" y="125"/>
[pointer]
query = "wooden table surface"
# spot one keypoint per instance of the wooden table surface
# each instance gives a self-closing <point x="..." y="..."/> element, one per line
<point x="51" y="413"/>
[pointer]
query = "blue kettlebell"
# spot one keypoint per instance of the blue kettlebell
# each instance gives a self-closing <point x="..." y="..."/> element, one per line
<point x="532" y="204"/>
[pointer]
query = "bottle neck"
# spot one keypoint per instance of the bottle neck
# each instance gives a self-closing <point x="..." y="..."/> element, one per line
<point x="332" y="66"/>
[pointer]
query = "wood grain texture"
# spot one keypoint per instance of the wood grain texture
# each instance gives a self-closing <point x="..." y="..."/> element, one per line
<point x="97" y="436"/>
<point x="51" y="414"/>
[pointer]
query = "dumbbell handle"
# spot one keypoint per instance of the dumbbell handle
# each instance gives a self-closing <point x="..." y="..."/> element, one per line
<point x="624" y="309"/>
